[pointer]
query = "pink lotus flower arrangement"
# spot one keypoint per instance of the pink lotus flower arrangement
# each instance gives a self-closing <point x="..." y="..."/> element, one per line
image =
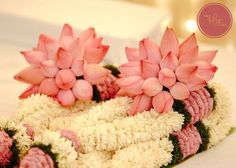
<point x="155" y="76"/>
<point x="66" y="68"/>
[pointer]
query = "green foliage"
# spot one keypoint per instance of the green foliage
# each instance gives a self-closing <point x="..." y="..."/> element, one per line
<point x="212" y="92"/>
<point x="180" y="107"/>
<point x="114" y="70"/>
<point x="177" y="155"/>
<point x="204" y="133"/>
<point x="96" y="94"/>
<point x="48" y="150"/>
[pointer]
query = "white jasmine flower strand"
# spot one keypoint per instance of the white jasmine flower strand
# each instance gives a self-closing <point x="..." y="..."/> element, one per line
<point x="218" y="120"/>
<point x="67" y="156"/>
<point x="121" y="133"/>
<point x="105" y="112"/>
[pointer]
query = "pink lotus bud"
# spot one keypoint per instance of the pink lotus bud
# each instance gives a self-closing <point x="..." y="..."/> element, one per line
<point x="65" y="79"/>
<point x="167" y="77"/>
<point x="162" y="102"/>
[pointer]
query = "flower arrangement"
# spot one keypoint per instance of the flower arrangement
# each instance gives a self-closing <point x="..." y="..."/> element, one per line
<point x="158" y="109"/>
<point x="52" y="149"/>
<point x="14" y="141"/>
<point x="155" y="75"/>
<point x="67" y="68"/>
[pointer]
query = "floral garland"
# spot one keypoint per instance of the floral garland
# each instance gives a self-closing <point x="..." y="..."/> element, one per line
<point x="121" y="133"/>
<point x="17" y="144"/>
<point x="101" y="113"/>
<point x="53" y="148"/>
<point x="218" y="121"/>
<point x="146" y="154"/>
<point x="39" y="110"/>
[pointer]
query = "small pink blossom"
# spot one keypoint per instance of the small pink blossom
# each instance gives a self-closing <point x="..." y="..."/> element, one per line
<point x="36" y="157"/>
<point x="70" y="135"/>
<point x="5" y="145"/>
<point x="157" y="75"/>
<point x="55" y="66"/>
<point x="29" y="131"/>
<point x="189" y="140"/>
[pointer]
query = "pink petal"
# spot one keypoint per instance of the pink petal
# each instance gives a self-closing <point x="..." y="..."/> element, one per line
<point x="179" y="91"/>
<point x="151" y="86"/>
<point x="49" y="68"/>
<point x="167" y="77"/>
<point x="31" y="75"/>
<point x="78" y="66"/>
<point x="77" y="49"/>
<point x="169" y="42"/>
<point x="130" y="69"/>
<point x="196" y="83"/>
<point x="48" y="46"/>
<point x="95" y="43"/>
<point x="207" y="56"/>
<point x="95" y="73"/>
<point x="34" y="57"/>
<point x="67" y="36"/>
<point x="63" y="59"/>
<point x="141" y="103"/>
<point x="186" y="72"/>
<point x="206" y="70"/>
<point x="65" y="79"/>
<point x="142" y="50"/>
<point x="122" y="92"/>
<point x="187" y="44"/>
<point x="153" y="51"/>
<point x="149" y="68"/>
<point x="66" y="97"/>
<point x="95" y="55"/>
<point x="87" y="35"/>
<point x="162" y="102"/>
<point x="132" y="85"/>
<point x="83" y="90"/>
<point x="190" y="56"/>
<point x="132" y="54"/>
<point x="48" y="87"/>
<point x="33" y="89"/>
<point x="170" y="61"/>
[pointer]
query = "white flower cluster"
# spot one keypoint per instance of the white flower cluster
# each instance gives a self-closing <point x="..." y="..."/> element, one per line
<point x="23" y="140"/>
<point x="218" y="121"/>
<point x="67" y="157"/>
<point x="39" y="110"/>
<point x="143" y="155"/>
<point x="105" y="112"/>
<point x="120" y="133"/>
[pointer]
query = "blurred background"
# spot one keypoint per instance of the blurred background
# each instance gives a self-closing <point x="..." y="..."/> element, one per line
<point x="183" y="15"/>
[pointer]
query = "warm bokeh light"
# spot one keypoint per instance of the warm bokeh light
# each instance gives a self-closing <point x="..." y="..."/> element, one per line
<point x="191" y="25"/>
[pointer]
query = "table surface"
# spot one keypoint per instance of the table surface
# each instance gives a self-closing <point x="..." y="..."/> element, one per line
<point x="221" y="156"/>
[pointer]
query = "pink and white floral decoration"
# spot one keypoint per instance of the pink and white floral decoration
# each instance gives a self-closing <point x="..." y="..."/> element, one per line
<point x="65" y="68"/>
<point x="156" y="75"/>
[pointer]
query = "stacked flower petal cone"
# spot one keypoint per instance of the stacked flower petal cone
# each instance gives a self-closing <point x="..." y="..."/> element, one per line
<point x="154" y="111"/>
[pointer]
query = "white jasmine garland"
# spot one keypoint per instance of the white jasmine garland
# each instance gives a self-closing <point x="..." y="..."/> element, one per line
<point x="39" y="110"/>
<point x="93" y="159"/>
<point x="150" y="154"/>
<point x="218" y="120"/>
<point x="142" y="127"/>
<point x="23" y="141"/>
<point x="67" y="157"/>
<point x="104" y="112"/>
